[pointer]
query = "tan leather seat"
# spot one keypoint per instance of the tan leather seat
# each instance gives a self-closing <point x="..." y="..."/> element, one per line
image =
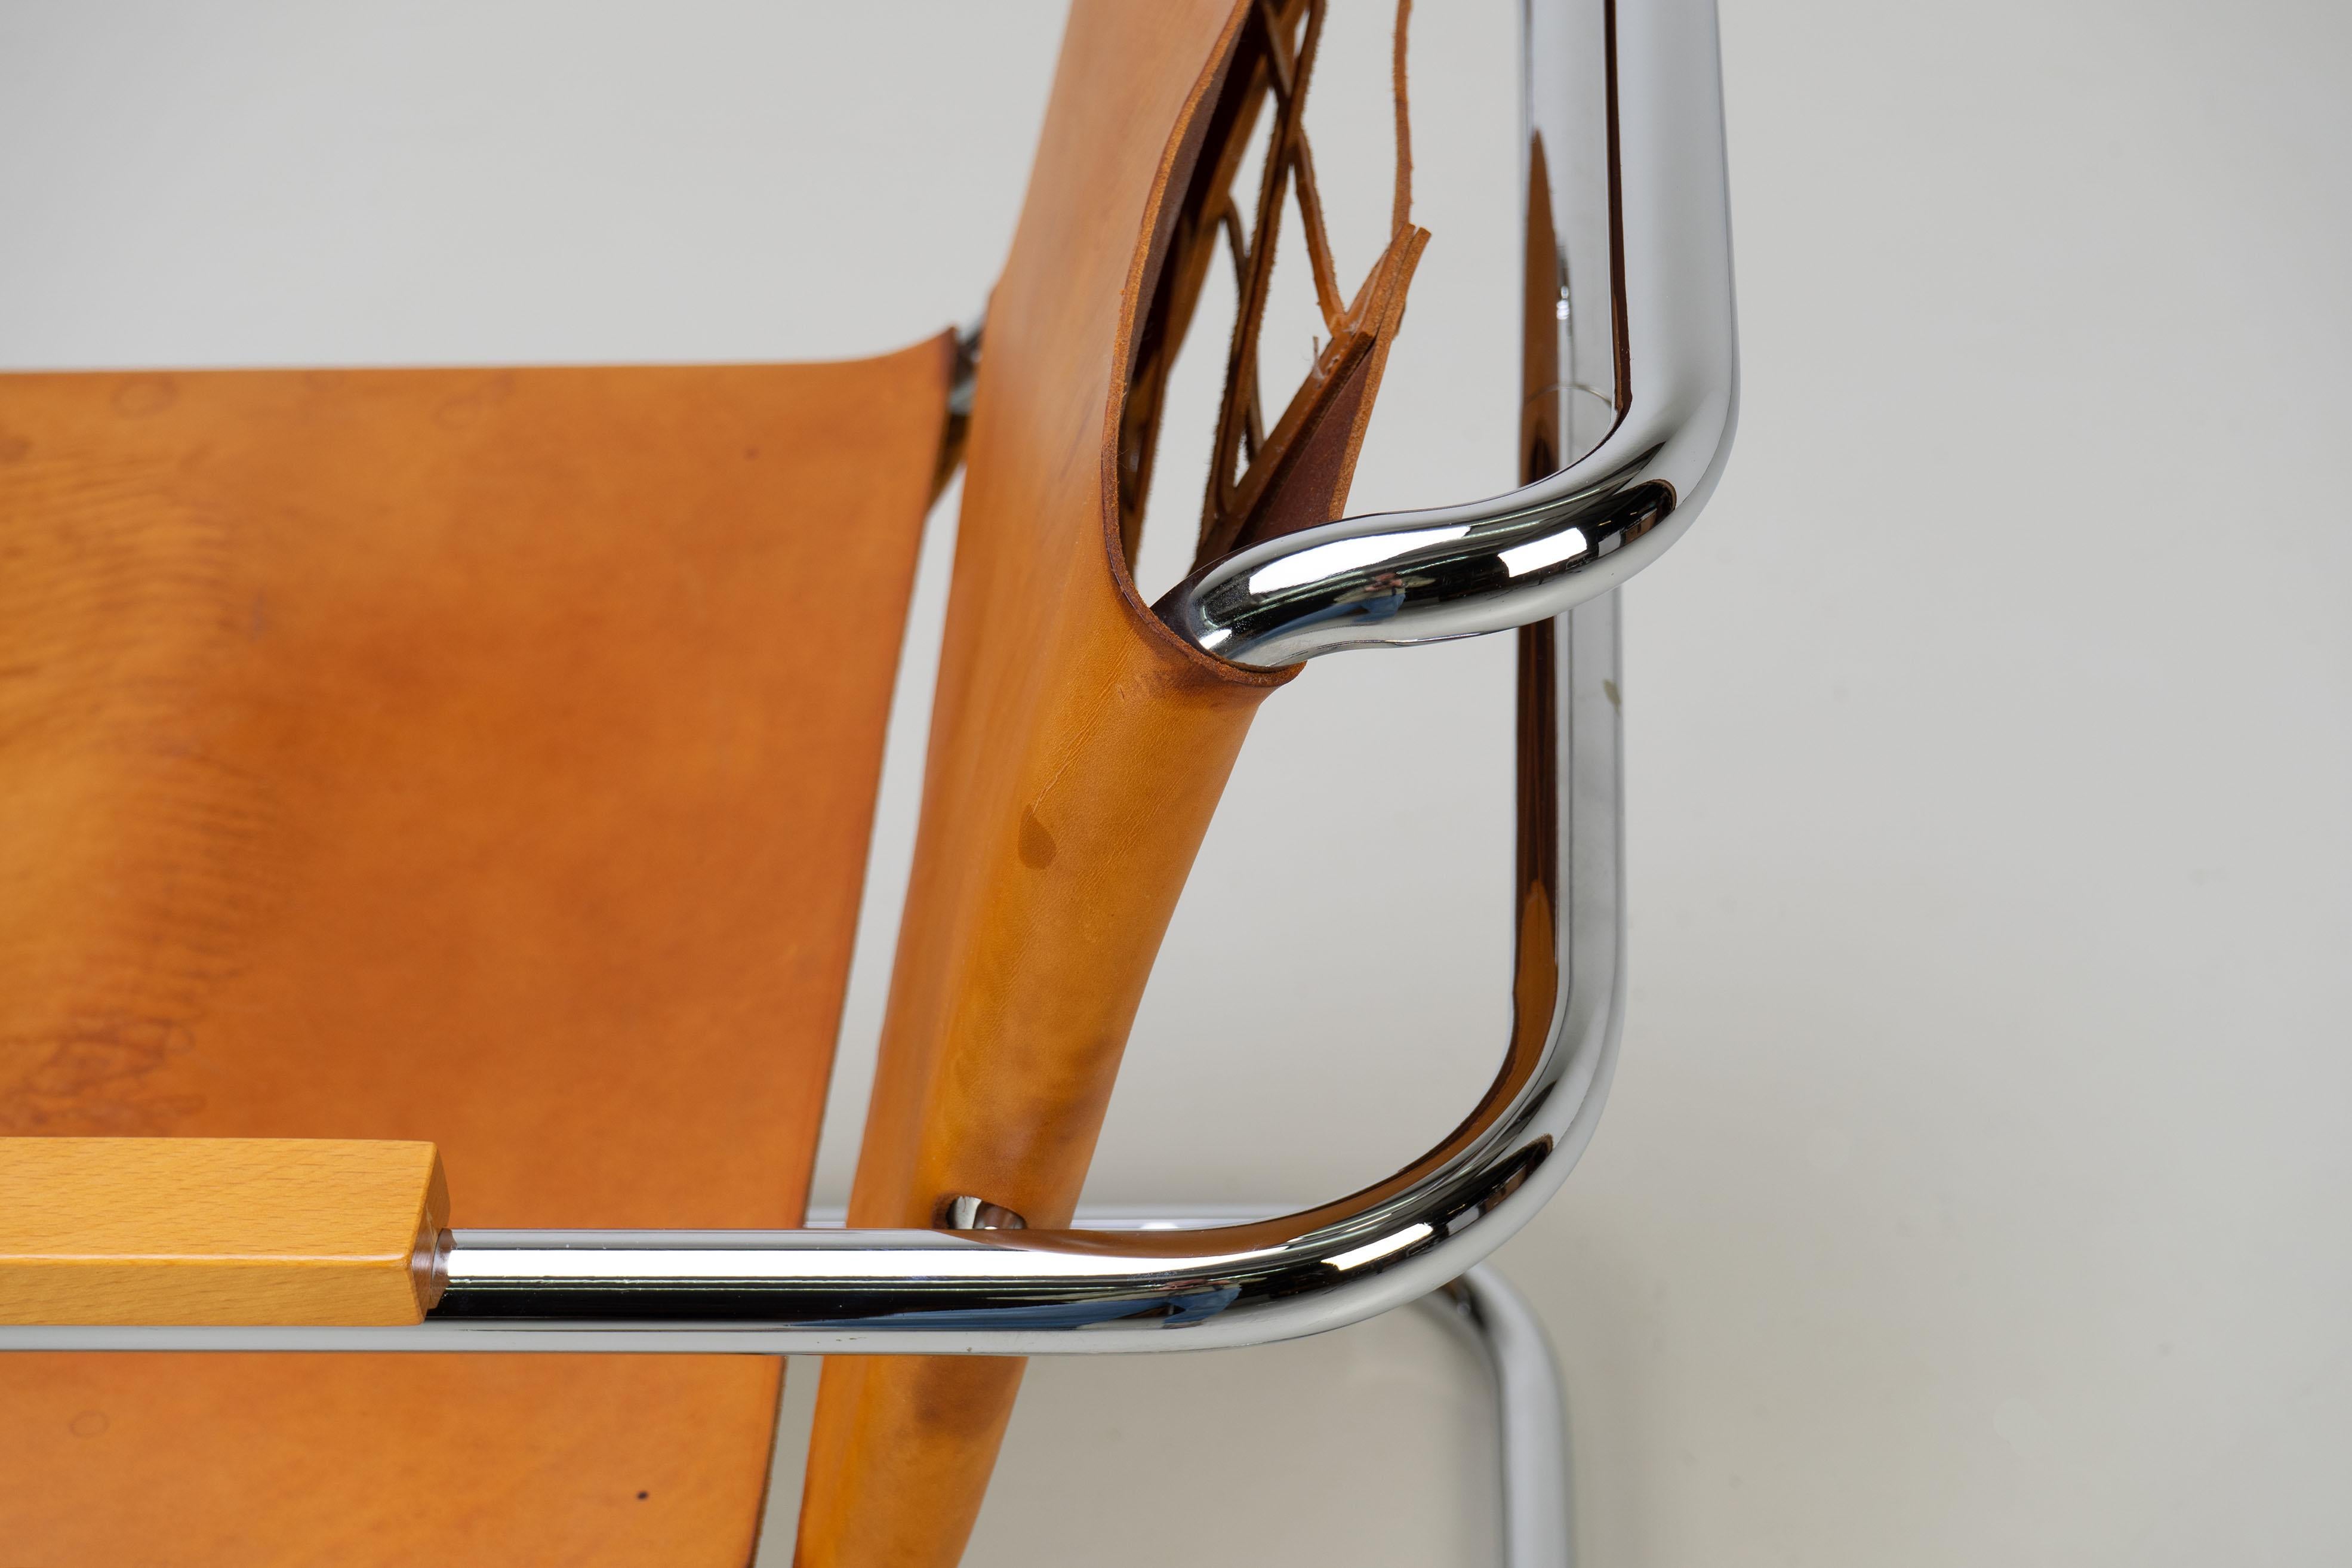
<point x="484" y="757"/>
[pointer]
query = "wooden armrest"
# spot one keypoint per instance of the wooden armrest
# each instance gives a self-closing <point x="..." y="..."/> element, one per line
<point x="218" y="1230"/>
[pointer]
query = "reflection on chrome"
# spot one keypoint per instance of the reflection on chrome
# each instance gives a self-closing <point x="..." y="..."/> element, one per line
<point x="1371" y="1251"/>
<point x="1566" y="545"/>
<point x="1633" y="322"/>
<point x="1319" y="561"/>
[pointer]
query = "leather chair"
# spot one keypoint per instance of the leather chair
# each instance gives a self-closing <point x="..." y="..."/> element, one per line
<point x="415" y="771"/>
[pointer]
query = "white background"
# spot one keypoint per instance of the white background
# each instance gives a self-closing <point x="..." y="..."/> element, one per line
<point x="1975" y="1184"/>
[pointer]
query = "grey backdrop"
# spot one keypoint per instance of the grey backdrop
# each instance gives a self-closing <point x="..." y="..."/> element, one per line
<point x="1975" y="1186"/>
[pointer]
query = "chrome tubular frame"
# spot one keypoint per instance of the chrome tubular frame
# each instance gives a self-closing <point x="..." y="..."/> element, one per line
<point x="1630" y="246"/>
<point x="1032" y="1293"/>
<point x="1530" y="1417"/>
<point x="1630" y="317"/>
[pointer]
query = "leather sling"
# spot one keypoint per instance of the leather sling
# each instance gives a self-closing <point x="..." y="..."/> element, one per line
<point x="1077" y="746"/>
<point x="484" y="757"/>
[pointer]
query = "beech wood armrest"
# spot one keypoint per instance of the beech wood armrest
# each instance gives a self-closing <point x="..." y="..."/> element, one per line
<point x="219" y="1230"/>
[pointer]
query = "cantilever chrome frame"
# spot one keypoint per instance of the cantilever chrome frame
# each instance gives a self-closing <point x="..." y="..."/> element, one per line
<point x="1663" y="370"/>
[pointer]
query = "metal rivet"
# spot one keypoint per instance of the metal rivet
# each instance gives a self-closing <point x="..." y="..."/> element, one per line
<point x="961" y="1211"/>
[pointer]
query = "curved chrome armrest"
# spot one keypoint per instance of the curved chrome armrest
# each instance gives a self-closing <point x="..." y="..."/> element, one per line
<point x="1641" y="240"/>
<point x="1667" y="385"/>
<point x="1032" y="1293"/>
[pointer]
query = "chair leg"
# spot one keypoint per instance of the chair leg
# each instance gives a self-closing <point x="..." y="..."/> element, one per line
<point x="1531" y="1413"/>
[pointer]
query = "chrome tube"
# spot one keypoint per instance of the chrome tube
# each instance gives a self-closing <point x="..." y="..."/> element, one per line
<point x="1032" y="1293"/>
<point x="1530" y="1417"/>
<point x="1632" y="188"/>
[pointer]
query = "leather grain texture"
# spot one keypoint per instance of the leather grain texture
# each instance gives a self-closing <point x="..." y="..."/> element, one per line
<point x="1077" y="750"/>
<point x="481" y="757"/>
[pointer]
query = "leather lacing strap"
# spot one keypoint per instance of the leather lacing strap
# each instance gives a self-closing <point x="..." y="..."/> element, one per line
<point x="1400" y="210"/>
<point x="1250" y="463"/>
